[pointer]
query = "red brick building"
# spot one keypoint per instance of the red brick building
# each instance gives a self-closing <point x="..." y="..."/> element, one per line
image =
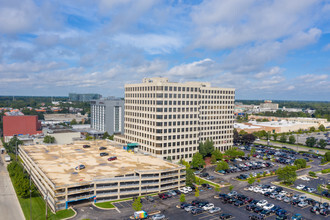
<point x="20" y="125"/>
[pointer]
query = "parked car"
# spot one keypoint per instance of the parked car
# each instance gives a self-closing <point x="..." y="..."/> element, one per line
<point x="150" y="198"/>
<point x="256" y="217"/>
<point x="102" y="148"/>
<point x="258" y="209"/>
<point x="296" y="217"/>
<point x="302" y="204"/>
<point x="268" y="206"/>
<point x="80" y="167"/>
<point x="158" y="217"/>
<point x="262" y="203"/>
<point x="208" y="206"/>
<point x="112" y="158"/>
<point x="265" y="212"/>
<point x="214" y="210"/>
<point x="86" y="146"/>
<point x="325" y="212"/>
<point x="162" y="196"/>
<point x="104" y="154"/>
<point x="196" y="211"/>
<point x="225" y="216"/>
<point x="286" y="199"/>
<point x="184" y="205"/>
<point x="189" y="208"/>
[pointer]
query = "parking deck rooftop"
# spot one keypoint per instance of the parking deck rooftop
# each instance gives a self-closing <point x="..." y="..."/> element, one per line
<point x="58" y="162"/>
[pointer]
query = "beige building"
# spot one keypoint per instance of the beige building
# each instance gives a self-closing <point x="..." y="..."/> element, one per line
<point x="170" y="119"/>
<point x="53" y="170"/>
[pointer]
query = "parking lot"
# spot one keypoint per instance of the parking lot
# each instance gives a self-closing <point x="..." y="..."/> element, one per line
<point x="313" y="183"/>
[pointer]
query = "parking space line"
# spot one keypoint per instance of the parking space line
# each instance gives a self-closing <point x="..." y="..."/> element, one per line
<point x="270" y="215"/>
<point x="208" y="215"/>
<point x="306" y="207"/>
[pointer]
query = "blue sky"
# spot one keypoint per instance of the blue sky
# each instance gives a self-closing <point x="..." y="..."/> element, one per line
<point x="265" y="49"/>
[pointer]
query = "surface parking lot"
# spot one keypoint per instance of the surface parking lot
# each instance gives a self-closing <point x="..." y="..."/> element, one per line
<point x="313" y="183"/>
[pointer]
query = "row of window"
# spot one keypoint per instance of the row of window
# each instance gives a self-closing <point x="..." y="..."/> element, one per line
<point x="177" y="88"/>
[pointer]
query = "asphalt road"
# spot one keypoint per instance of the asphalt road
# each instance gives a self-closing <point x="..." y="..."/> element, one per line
<point x="9" y="205"/>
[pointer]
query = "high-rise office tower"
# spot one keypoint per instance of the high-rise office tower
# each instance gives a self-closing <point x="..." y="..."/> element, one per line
<point x="170" y="119"/>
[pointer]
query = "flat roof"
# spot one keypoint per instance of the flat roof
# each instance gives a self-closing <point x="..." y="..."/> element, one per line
<point x="58" y="162"/>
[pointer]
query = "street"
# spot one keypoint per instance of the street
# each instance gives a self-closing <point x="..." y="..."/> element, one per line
<point x="9" y="205"/>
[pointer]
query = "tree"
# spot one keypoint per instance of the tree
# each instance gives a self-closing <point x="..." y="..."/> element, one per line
<point x="322" y="143"/>
<point x="231" y="187"/>
<point x="73" y="122"/>
<point x="49" y="139"/>
<point x="190" y="177"/>
<point x="310" y="142"/>
<point x="300" y="163"/>
<point x="218" y="155"/>
<point x="233" y="152"/>
<point x="213" y="159"/>
<point x="327" y="156"/>
<point x="197" y="192"/>
<point x="182" y="198"/>
<point x="185" y="163"/>
<point x="197" y="160"/>
<point x="251" y="180"/>
<point x="206" y="148"/>
<point x="321" y="128"/>
<point x="292" y="139"/>
<point x="287" y="174"/>
<point x="169" y="158"/>
<point x="283" y="138"/>
<point x="275" y="136"/>
<point x="222" y="165"/>
<point x="253" y="151"/>
<point x="137" y="205"/>
<point x="312" y="129"/>
<point x="248" y="138"/>
<point x="106" y="135"/>
<point x="236" y="137"/>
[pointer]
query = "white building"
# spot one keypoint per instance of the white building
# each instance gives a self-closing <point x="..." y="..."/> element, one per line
<point x="170" y="119"/>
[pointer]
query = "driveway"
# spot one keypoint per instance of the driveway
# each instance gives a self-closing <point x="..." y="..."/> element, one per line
<point x="9" y="205"/>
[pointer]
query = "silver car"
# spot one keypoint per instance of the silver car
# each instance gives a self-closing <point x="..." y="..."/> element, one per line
<point x="189" y="208"/>
<point x="286" y="199"/>
<point x="158" y="217"/>
<point x="215" y="209"/>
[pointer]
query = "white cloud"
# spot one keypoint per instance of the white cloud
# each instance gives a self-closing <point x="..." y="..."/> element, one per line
<point x="151" y="43"/>
<point x="272" y="71"/>
<point x="308" y="78"/>
<point x="326" y="47"/>
<point x="197" y="69"/>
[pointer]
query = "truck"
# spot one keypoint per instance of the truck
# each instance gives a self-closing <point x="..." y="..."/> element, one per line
<point x="7" y="158"/>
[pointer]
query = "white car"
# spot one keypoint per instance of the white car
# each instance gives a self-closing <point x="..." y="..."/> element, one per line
<point x="262" y="203"/>
<point x="273" y="195"/>
<point x="251" y="188"/>
<point x="263" y="191"/>
<point x="305" y="178"/>
<point x="272" y="188"/>
<point x="238" y="159"/>
<point x="302" y="198"/>
<point x="184" y="190"/>
<point x="208" y="206"/>
<point x="283" y="193"/>
<point x="268" y="206"/>
<point x="311" y="190"/>
<point x="300" y="186"/>
<point x="232" y="193"/>
<point x="214" y="210"/>
<point x="189" y="189"/>
<point x="256" y="189"/>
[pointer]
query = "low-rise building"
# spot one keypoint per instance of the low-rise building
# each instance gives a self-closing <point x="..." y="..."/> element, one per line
<point x="65" y="174"/>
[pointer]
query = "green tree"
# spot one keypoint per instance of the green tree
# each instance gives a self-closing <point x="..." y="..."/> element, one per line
<point x="287" y="174"/>
<point x="206" y="148"/>
<point x="218" y="155"/>
<point x="222" y="165"/>
<point x="248" y="138"/>
<point x="49" y="139"/>
<point x="292" y="139"/>
<point x="321" y="128"/>
<point x="251" y="180"/>
<point x="327" y="156"/>
<point x="106" y="135"/>
<point x="197" y="192"/>
<point x="233" y="152"/>
<point x="182" y="198"/>
<point x="283" y="138"/>
<point x="169" y="158"/>
<point x="190" y="177"/>
<point x="231" y="187"/>
<point x="312" y="129"/>
<point x="197" y="160"/>
<point x="73" y="122"/>
<point x="322" y="143"/>
<point x="236" y="136"/>
<point x="300" y="163"/>
<point x="310" y="142"/>
<point x="137" y="205"/>
<point x="213" y="159"/>
<point x="275" y="135"/>
<point x="185" y="163"/>
<point x="253" y="151"/>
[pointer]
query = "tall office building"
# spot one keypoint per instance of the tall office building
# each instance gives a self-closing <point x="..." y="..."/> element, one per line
<point x="170" y="119"/>
<point x="108" y="115"/>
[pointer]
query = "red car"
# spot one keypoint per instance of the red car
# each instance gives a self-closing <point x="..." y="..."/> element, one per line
<point x="162" y="196"/>
<point x="112" y="158"/>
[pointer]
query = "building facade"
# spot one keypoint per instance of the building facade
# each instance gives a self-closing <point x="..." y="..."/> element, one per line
<point x="108" y="115"/>
<point x="20" y="125"/>
<point x="52" y="169"/>
<point x="83" y="97"/>
<point x="169" y="120"/>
